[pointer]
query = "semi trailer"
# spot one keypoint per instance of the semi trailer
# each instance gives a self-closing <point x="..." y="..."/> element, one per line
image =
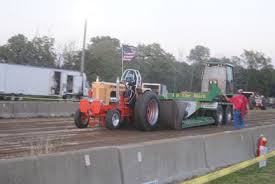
<point x="17" y="81"/>
<point x="149" y="105"/>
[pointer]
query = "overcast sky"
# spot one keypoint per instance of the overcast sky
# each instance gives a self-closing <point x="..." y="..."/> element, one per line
<point x="225" y="26"/>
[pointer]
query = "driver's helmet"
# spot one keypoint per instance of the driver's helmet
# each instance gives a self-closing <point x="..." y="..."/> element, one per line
<point x="130" y="78"/>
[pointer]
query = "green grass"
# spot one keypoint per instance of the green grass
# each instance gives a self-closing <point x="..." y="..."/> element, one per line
<point x="250" y="175"/>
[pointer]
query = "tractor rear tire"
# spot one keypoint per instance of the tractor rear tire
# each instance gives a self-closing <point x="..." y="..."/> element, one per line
<point x="147" y="111"/>
<point x="80" y="120"/>
<point x="218" y="116"/>
<point x="113" y="119"/>
<point x="228" y="115"/>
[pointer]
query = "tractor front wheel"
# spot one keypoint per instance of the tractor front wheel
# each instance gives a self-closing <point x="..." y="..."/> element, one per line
<point x="80" y="119"/>
<point x="147" y="111"/>
<point x="113" y="119"/>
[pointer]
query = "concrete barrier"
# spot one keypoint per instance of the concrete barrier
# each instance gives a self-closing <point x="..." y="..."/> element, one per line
<point x="63" y="109"/>
<point x="25" y="109"/>
<point x="64" y="168"/>
<point x="43" y="109"/>
<point x="178" y="159"/>
<point x="37" y="109"/>
<point x="53" y="109"/>
<point x="6" y="110"/>
<point x="162" y="161"/>
<point x="227" y="148"/>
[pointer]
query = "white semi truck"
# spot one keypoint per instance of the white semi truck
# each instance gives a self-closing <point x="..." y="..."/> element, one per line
<point x="17" y="81"/>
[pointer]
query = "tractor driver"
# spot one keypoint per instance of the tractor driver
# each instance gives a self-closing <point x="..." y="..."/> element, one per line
<point x="239" y="102"/>
<point x="130" y="80"/>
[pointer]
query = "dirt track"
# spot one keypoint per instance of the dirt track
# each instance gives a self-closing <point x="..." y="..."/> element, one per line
<point x="22" y="137"/>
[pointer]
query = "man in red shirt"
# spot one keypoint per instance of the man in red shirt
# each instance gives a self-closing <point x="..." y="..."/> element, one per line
<point x="239" y="102"/>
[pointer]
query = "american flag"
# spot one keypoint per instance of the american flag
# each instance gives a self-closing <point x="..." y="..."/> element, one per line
<point x="128" y="52"/>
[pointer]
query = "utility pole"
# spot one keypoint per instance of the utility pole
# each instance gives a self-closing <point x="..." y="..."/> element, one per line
<point x="83" y="48"/>
<point x="83" y="58"/>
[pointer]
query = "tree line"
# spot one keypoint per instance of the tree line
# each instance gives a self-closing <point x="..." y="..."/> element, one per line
<point x="253" y="70"/>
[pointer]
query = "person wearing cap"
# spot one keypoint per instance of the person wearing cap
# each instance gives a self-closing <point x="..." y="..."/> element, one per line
<point x="239" y="102"/>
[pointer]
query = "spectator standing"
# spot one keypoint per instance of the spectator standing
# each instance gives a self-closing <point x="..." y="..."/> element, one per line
<point x="239" y="102"/>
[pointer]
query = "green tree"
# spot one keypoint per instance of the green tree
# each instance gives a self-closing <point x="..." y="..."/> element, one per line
<point x="255" y="60"/>
<point x="71" y="57"/>
<point x="38" y="52"/>
<point x="236" y="61"/>
<point x="103" y="58"/>
<point x="240" y="73"/>
<point x="258" y="67"/>
<point x="265" y="81"/>
<point x="197" y="56"/>
<point x="43" y="51"/>
<point x="182" y="80"/>
<point x="156" y="65"/>
<point x="16" y="50"/>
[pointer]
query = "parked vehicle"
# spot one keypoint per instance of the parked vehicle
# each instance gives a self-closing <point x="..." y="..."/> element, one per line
<point x="271" y="102"/>
<point x="256" y="101"/>
<point x="17" y="81"/>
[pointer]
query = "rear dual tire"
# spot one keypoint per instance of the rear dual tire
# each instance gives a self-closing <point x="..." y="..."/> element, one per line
<point x="223" y="116"/>
<point x="218" y="116"/>
<point x="228" y="115"/>
<point x="147" y="111"/>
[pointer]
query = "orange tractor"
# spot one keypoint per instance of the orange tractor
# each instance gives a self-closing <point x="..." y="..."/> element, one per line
<point x="126" y="100"/>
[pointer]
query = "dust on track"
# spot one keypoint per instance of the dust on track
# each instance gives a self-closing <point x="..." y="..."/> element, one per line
<point x="24" y="137"/>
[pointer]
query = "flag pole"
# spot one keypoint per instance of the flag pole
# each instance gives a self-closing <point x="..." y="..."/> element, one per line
<point x="122" y="67"/>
